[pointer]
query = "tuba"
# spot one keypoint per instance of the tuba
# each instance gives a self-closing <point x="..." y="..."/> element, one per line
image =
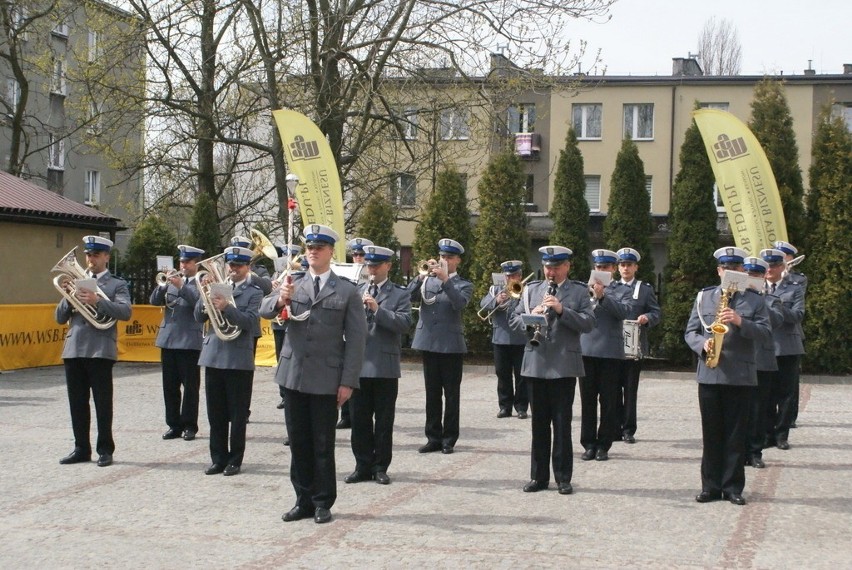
<point x="212" y="270"/>
<point x="69" y="272"/>
<point x="718" y="330"/>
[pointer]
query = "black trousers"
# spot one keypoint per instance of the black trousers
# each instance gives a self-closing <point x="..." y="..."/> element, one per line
<point x="552" y="407"/>
<point x="278" y="336"/>
<point x="82" y="376"/>
<point x="372" y="443"/>
<point x="724" y="417"/>
<point x="442" y="373"/>
<point x="758" y="413"/>
<point x="180" y="370"/>
<point x="627" y="397"/>
<point x="601" y="382"/>
<point x="311" y="419"/>
<point x="507" y="365"/>
<point x="783" y="405"/>
<point x="228" y="396"/>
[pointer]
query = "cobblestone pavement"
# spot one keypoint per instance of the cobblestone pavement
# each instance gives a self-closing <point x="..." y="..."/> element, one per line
<point x="154" y="508"/>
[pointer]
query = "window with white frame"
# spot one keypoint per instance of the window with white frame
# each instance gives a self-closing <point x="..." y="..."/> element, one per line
<point x="13" y="94"/>
<point x="56" y="151"/>
<point x="92" y="189"/>
<point x="58" y="80"/>
<point x="93" y="46"/>
<point x="61" y="29"/>
<point x="94" y="122"/>
<point x="521" y="118"/>
<point x="406" y="123"/>
<point x="454" y="124"/>
<point x="587" y="120"/>
<point x="844" y="111"/>
<point x="18" y="17"/>
<point x="649" y="187"/>
<point x="404" y="190"/>
<point x="720" y="106"/>
<point x="529" y="189"/>
<point x="717" y="199"/>
<point x="639" y="121"/>
<point x="593" y="192"/>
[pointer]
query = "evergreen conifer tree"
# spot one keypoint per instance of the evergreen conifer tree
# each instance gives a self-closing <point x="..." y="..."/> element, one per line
<point x="376" y="224"/>
<point x="204" y="226"/>
<point x="152" y="237"/>
<point x="691" y="242"/>
<point x="569" y="210"/>
<point x="628" y="220"/>
<point x="772" y="124"/>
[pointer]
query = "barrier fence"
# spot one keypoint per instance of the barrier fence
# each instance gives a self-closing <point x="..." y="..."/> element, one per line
<point x="30" y="337"/>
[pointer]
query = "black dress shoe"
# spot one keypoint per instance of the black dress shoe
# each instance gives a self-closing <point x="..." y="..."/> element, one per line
<point x="734" y="498"/>
<point x="707" y="497"/>
<point x="565" y="488"/>
<point x="214" y="469"/>
<point x="172" y="434"/>
<point x="758" y="463"/>
<point x="75" y="457"/>
<point x="297" y="513"/>
<point x="322" y="515"/>
<point x="783" y="444"/>
<point x="382" y="478"/>
<point x="104" y="460"/>
<point x="535" y="486"/>
<point x="504" y="413"/>
<point x="189" y="434"/>
<point x="357" y="477"/>
<point x="447" y="449"/>
<point x="588" y="455"/>
<point x="629" y="438"/>
<point x="429" y="447"/>
<point x="601" y="455"/>
<point x="793" y="425"/>
<point x="522" y="415"/>
<point x="280" y="405"/>
<point x="287" y="441"/>
<point x="231" y="470"/>
<point x="343" y="424"/>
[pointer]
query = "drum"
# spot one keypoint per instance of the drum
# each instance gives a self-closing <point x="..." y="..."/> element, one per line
<point x="632" y="346"/>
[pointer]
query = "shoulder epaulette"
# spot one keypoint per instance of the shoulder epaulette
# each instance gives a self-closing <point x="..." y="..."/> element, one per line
<point x="578" y="282"/>
<point x="403" y="287"/>
<point x="534" y="282"/>
<point x="750" y="290"/>
<point x="710" y="288"/>
<point x="348" y="280"/>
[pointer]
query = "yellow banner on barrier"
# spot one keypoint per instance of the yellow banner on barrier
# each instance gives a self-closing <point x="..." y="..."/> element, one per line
<point x="30" y="337"/>
<point x="744" y="179"/>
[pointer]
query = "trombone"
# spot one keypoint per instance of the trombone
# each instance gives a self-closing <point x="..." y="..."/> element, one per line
<point x="514" y="289"/>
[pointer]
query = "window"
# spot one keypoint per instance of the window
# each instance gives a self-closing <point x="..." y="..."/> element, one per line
<point x="92" y="189"/>
<point x="61" y="29"/>
<point x="639" y="121"/>
<point x="529" y="189"/>
<point x="404" y="190"/>
<point x="94" y="46"/>
<point x="454" y="124"/>
<point x="521" y="118"/>
<point x="56" y="152"/>
<point x="94" y="120"/>
<point x="593" y="193"/>
<point x="406" y="123"/>
<point x="649" y="187"/>
<point x="13" y="94"/>
<point x="18" y="17"/>
<point x="720" y="106"/>
<point x="844" y="111"/>
<point x="717" y="199"/>
<point x="587" y="121"/>
<point x="58" y="80"/>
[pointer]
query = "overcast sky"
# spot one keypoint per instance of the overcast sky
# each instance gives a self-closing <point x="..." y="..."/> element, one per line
<point x="776" y="35"/>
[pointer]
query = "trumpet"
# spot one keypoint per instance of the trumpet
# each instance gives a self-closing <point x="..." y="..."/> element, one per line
<point x="69" y="272"/>
<point x="162" y="278"/>
<point x="213" y="271"/>
<point x="514" y="289"/>
<point x="424" y="268"/>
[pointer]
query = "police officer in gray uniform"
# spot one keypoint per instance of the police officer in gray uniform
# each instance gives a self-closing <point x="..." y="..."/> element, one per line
<point x="800" y="279"/>
<point x="439" y="336"/>
<point x="229" y="365"/>
<point x="90" y="353"/>
<point x="279" y="327"/>
<point x="508" y="344"/>
<point x="723" y="391"/>
<point x="319" y="368"/>
<point x="789" y="348"/>
<point x="388" y="311"/>
<point x="552" y="362"/>
<point x="258" y="274"/>
<point x="603" y="358"/>
<point x="179" y="340"/>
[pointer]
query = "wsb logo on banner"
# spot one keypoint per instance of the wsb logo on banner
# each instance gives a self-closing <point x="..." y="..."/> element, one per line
<point x="727" y="149"/>
<point x="133" y="329"/>
<point x="304" y="150"/>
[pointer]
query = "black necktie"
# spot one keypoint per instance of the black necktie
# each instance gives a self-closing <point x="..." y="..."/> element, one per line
<point x="772" y="289"/>
<point x="316" y="286"/>
<point x="374" y="290"/>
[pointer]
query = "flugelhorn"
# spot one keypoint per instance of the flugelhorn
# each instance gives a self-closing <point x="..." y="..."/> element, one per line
<point x="70" y="271"/>
<point x="212" y="270"/>
<point x="514" y="289"/>
<point x="162" y="278"/>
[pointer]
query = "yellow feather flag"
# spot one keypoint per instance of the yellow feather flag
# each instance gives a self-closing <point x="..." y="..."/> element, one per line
<point x="744" y="179"/>
<point x="319" y="194"/>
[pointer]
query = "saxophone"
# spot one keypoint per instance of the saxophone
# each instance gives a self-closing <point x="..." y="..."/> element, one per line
<point x="718" y="330"/>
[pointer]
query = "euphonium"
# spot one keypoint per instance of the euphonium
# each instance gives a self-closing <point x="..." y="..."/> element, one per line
<point x="69" y="272"/>
<point x="212" y="270"/>
<point x="718" y="330"/>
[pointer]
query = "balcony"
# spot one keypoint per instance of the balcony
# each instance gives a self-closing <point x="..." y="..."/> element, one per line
<point x="528" y="145"/>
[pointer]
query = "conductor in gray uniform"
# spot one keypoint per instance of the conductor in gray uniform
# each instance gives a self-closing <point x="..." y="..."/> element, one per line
<point x="552" y="367"/>
<point x="388" y="311"/>
<point x="90" y="353"/>
<point x="319" y="368"/>
<point x="439" y="336"/>
<point x="229" y="364"/>
<point x="724" y="391"/>
<point x="179" y="340"/>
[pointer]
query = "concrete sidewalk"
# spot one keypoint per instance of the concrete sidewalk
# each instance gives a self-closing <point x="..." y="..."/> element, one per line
<point x="154" y="508"/>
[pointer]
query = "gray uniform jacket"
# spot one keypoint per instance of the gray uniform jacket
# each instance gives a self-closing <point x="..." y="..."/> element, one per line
<point x="326" y="350"/>
<point x="606" y="340"/>
<point x="643" y="301"/>
<point x="384" y="331"/>
<point x="765" y="349"/>
<point x="267" y="308"/>
<point x="788" y="335"/>
<point x="85" y="341"/>
<point x="736" y="363"/>
<point x="179" y="330"/>
<point x="237" y="354"/>
<point x="261" y="278"/>
<point x="559" y="354"/>
<point x="501" y="332"/>
<point x="439" y="328"/>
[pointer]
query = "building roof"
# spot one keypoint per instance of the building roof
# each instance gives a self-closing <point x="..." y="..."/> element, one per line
<point x="26" y="203"/>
